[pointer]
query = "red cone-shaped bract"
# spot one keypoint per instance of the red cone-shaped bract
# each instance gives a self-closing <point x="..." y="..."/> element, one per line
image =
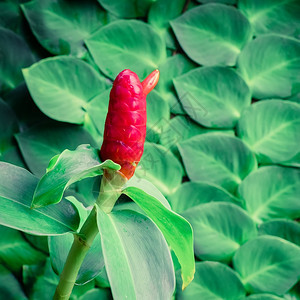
<point x="125" y="125"/>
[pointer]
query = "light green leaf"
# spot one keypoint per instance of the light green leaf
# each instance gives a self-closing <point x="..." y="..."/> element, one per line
<point x="176" y="230"/>
<point x="137" y="259"/>
<point x="213" y="281"/>
<point x="270" y="66"/>
<point x="268" y="125"/>
<point x="272" y="192"/>
<point x="58" y="94"/>
<point x="15" y="251"/>
<point x="17" y="186"/>
<point x="272" y="16"/>
<point x="128" y="44"/>
<point x="213" y="96"/>
<point x="268" y="264"/>
<point x="70" y="167"/>
<point x="40" y="143"/>
<point x="127" y="9"/>
<point x="60" y="27"/>
<point x="212" y="34"/>
<point x="190" y="195"/>
<point x="161" y="167"/>
<point x="10" y="288"/>
<point x="219" y="229"/>
<point x="17" y="56"/>
<point x="172" y="67"/>
<point x="217" y="158"/>
<point x="285" y="229"/>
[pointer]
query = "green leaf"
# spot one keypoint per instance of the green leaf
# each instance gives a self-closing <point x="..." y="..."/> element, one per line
<point x="213" y="96"/>
<point x="57" y="94"/>
<point x="96" y="294"/>
<point x="161" y="167"/>
<point x="137" y="259"/>
<point x="126" y="44"/>
<point x="176" y="230"/>
<point x="272" y="192"/>
<point x="268" y="264"/>
<point x="263" y="297"/>
<point x="190" y="195"/>
<point x="269" y="65"/>
<point x="219" y="229"/>
<point x="218" y="159"/>
<point x="15" y="251"/>
<point x="10" y="288"/>
<point x="218" y="1"/>
<point x="60" y="27"/>
<point x="17" y="56"/>
<point x="172" y="67"/>
<point x="267" y="125"/>
<point x="17" y="186"/>
<point x="213" y="281"/>
<point x="10" y="16"/>
<point x="70" y="167"/>
<point x="285" y="229"/>
<point x="40" y="143"/>
<point x="269" y="16"/>
<point x="212" y="34"/>
<point x="127" y="9"/>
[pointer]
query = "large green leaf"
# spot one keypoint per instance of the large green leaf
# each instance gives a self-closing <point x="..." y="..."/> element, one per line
<point x="212" y="34"/>
<point x="176" y="230"/>
<point x="128" y="8"/>
<point x="137" y="259"/>
<point x="10" y="288"/>
<point x="127" y="45"/>
<point x="161" y="167"/>
<point x="10" y="15"/>
<point x="272" y="192"/>
<point x="172" y="67"/>
<point x="213" y="281"/>
<point x="67" y="168"/>
<point x="268" y="264"/>
<point x="217" y="158"/>
<point x="17" y="186"/>
<point x="40" y="143"/>
<point x="15" y="251"/>
<point x="272" y="16"/>
<point x="57" y="94"/>
<point x="213" y="96"/>
<point x="268" y="125"/>
<point x="60" y="27"/>
<point x="263" y="297"/>
<point x="270" y="66"/>
<point x="15" y="55"/>
<point x="285" y="229"/>
<point x="190" y="195"/>
<point x="219" y="229"/>
<point x="97" y="294"/>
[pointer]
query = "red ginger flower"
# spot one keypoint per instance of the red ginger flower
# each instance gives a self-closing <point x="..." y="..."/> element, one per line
<point x="125" y="125"/>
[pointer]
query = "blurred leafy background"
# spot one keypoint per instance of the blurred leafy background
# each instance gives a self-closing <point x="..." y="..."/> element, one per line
<point x="223" y="128"/>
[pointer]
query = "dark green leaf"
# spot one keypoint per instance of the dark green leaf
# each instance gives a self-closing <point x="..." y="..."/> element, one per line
<point x="268" y="264"/>
<point x="267" y="126"/>
<point x="60" y="27"/>
<point x="264" y="297"/>
<point x="285" y="229"/>
<point x="137" y="259"/>
<point x="17" y="186"/>
<point x="176" y="230"/>
<point x="97" y="294"/>
<point x="69" y="167"/>
<point x="213" y="281"/>
<point x="15" y="55"/>
<point x="218" y="159"/>
<point x="269" y="16"/>
<point x="270" y="66"/>
<point x="57" y="94"/>
<point x="272" y="192"/>
<point x="213" y="96"/>
<point x="130" y="45"/>
<point x="40" y="143"/>
<point x="212" y="34"/>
